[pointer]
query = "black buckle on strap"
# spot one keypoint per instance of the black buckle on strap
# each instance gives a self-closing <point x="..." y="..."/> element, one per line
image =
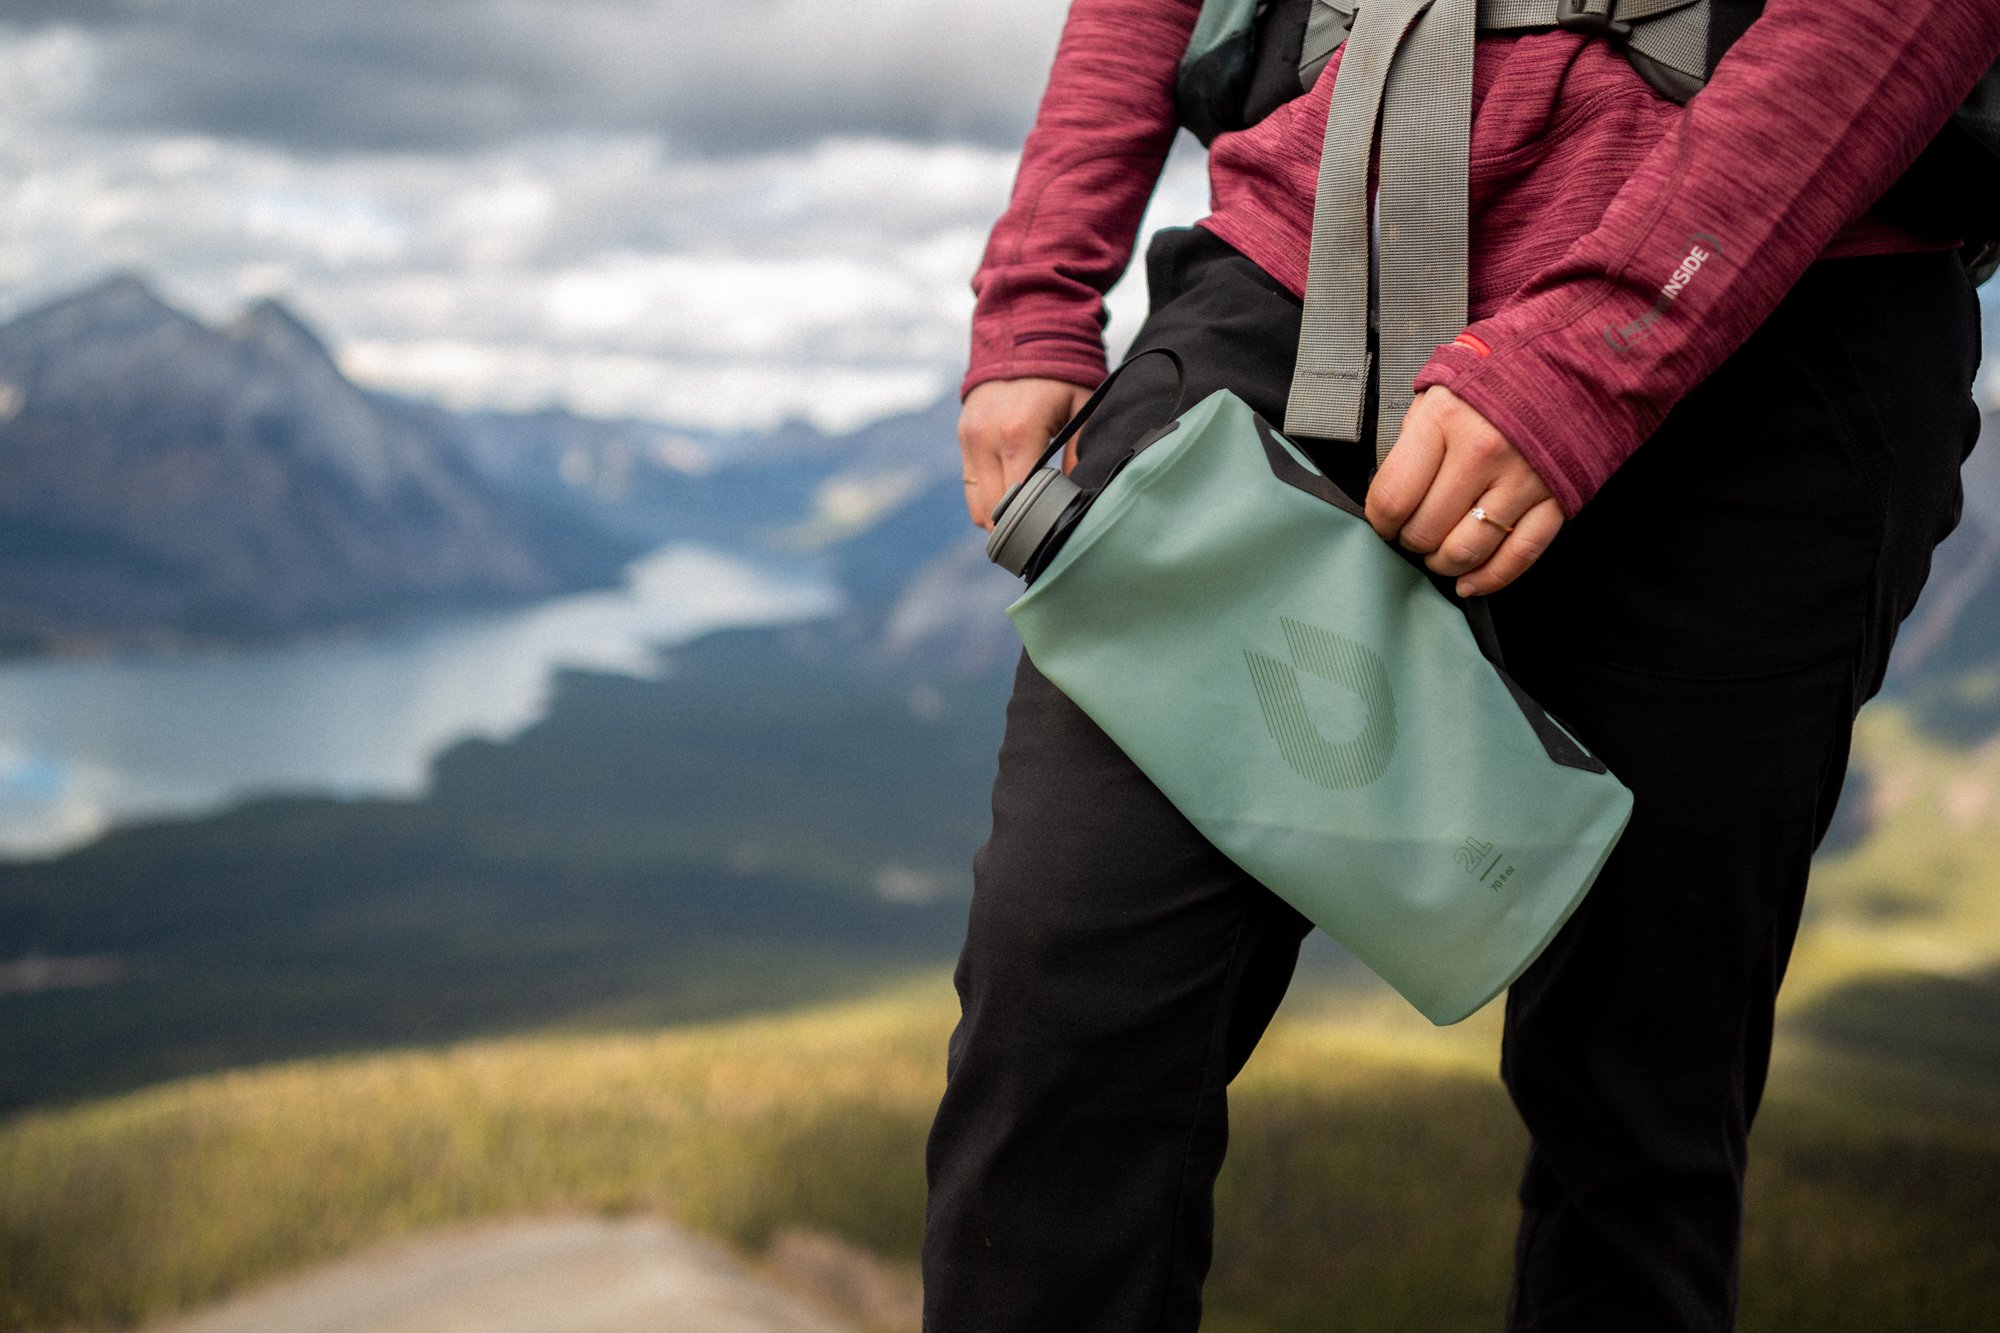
<point x="1594" y="18"/>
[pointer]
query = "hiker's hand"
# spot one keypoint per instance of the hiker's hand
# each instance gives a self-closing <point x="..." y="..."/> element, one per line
<point x="1447" y="460"/>
<point x="1002" y="430"/>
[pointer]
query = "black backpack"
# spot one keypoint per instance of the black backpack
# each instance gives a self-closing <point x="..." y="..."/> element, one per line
<point x="1249" y="57"/>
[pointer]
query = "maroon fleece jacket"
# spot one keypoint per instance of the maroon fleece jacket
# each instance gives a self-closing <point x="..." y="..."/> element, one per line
<point x="1621" y="245"/>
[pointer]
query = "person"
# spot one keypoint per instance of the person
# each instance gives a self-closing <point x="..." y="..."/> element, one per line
<point x="1707" y="612"/>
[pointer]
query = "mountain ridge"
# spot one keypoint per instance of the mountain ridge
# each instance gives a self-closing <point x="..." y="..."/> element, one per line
<point x="170" y="483"/>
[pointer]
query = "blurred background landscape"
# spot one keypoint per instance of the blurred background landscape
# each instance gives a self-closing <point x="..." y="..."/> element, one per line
<point x="498" y="694"/>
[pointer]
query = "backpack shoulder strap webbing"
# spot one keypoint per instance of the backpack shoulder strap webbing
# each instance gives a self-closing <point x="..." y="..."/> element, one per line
<point x="1247" y="57"/>
<point x="1671" y="42"/>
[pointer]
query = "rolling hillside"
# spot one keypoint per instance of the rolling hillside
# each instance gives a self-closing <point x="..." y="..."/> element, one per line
<point x="1372" y="1160"/>
<point x="1370" y="1176"/>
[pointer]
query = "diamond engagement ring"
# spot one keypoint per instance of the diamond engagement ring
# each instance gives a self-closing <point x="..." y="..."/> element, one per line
<point x="1485" y="517"/>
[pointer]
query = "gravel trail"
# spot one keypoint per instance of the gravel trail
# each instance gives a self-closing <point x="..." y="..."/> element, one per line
<point x="544" y="1275"/>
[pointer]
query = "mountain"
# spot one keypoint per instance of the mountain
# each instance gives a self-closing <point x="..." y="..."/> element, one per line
<point x="163" y="482"/>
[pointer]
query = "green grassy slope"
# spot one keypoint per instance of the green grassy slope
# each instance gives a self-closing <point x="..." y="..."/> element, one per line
<point x="1369" y="1181"/>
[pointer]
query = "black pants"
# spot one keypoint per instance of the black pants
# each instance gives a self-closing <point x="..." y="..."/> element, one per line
<point x="1709" y="624"/>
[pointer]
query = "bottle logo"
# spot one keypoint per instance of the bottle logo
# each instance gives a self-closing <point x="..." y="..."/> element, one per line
<point x="1338" y="765"/>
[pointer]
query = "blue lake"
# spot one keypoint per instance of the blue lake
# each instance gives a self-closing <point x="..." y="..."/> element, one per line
<point x="86" y="744"/>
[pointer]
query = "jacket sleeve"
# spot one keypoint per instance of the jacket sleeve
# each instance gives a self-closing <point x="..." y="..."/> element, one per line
<point x="1806" y="120"/>
<point x="1090" y="164"/>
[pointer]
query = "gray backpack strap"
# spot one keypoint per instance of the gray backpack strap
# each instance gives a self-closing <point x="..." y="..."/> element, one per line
<point x="1333" y="365"/>
<point x="1408" y="69"/>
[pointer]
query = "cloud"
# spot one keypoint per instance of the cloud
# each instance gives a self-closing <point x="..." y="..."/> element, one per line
<point x="370" y="75"/>
<point x="32" y="14"/>
<point x="712" y="216"/>
<point x="605" y="275"/>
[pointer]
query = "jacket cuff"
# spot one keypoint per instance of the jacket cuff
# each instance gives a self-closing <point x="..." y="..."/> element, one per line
<point x="1054" y="355"/>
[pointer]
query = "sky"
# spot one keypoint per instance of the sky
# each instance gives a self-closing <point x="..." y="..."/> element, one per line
<point x="713" y="214"/>
<point x="718" y="215"/>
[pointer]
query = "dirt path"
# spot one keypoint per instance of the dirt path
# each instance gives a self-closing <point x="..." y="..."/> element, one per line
<point x="546" y="1275"/>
